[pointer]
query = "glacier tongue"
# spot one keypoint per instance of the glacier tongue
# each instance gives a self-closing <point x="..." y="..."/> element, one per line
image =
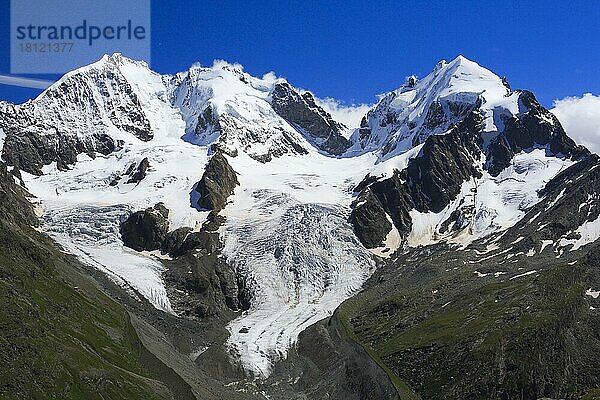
<point x="300" y="264"/>
<point x="287" y="235"/>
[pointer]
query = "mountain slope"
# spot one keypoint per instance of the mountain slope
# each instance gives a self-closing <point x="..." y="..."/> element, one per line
<point x="510" y="316"/>
<point x="58" y="339"/>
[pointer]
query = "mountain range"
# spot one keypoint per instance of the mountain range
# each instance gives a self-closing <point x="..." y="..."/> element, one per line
<point x="211" y="234"/>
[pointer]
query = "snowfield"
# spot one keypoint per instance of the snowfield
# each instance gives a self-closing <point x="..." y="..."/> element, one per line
<point x="499" y="202"/>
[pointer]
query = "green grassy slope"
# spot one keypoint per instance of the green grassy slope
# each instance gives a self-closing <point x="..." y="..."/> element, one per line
<point x="448" y="333"/>
<point x="60" y="337"/>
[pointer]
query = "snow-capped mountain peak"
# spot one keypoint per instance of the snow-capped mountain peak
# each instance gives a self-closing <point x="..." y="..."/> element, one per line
<point x="264" y="118"/>
<point x="406" y="117"/>
<point x="225" y="106"/>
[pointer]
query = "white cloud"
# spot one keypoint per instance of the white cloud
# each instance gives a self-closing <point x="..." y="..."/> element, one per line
<point x="580" y="116"/>
<point x="349" y="115"/>
<point x="24" y="82"/>
<point x="270" y="77"/>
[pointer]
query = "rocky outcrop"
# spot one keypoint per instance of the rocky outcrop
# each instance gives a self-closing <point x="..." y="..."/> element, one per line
<point x="369" y="220"/>
<point x="217" y="183"/>
<point x="208" y="284"/>
<point x="430" y="182"/>
<point x="301" y="111"/>
<point x="207" y="122"/>
<point x="534" y="128"/>
<point x="134" y="174"/>
<point x="200" y="283"/>
<point x="174" y="240"/>
<point x="146" y="230"/>
<point x="30" y="151"/>
<point x="435" y="177"/>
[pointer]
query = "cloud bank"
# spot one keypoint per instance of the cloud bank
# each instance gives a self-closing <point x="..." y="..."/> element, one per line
<point x="349" y="115"/>
<point x="580" y="116"/>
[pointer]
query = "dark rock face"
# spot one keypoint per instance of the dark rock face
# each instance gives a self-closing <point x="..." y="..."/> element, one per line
<point x="30" y="151"/>
<point x="369" y="220"/>
<point x="135" y="173"/>
<point x="430" y="182"/>
<point x="440" y="116"/>
<point x="302" y="111"/>
<point x="207" y="122"/>
<point x="146" y="229"/>
<point x="217" y="183"/>
<point x="435" y="177"/>
<point x="138" y="173"/>
<point x="536" y="127"/>
<point x="458" y="219"/>
<point x="174" y="240"/>
<point x="209" y="283"/>
<point x="14" y="207"/>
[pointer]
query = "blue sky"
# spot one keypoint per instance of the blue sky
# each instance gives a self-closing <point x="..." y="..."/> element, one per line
<point x="353" y="50"/>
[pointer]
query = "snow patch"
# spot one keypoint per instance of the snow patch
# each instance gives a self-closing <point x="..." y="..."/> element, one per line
<point x="392" y="242"/>
<point x="523" y="274"/>
<point x="588" y="232"/>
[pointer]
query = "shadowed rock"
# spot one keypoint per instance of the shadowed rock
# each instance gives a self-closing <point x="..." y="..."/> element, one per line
<point x="431" y="181"/>
<point x="217" y="183"/>
<point x="139" y="173"/>
<point x="303" y="112"/>
<point x="368" y="218"/>
<point x="146" y="229"/>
